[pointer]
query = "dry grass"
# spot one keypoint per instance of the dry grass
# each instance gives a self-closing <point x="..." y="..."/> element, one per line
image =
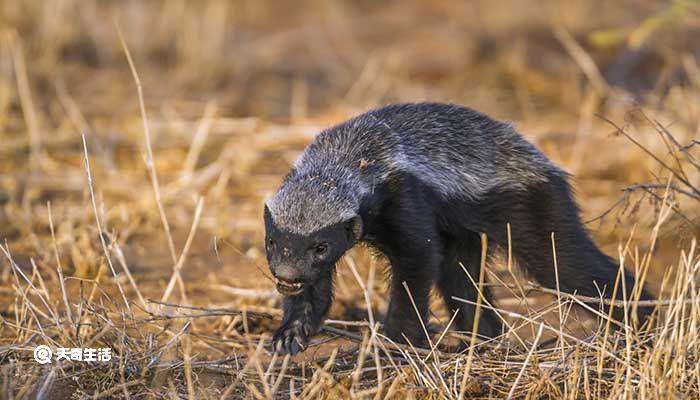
<point x="132" y="175"/>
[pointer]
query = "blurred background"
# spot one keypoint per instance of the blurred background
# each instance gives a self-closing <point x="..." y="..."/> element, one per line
<point x="234" y="90"/>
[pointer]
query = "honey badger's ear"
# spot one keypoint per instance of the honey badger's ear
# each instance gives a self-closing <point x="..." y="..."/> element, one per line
<point x="354" y="229"/>
<point x="267" y="214"/>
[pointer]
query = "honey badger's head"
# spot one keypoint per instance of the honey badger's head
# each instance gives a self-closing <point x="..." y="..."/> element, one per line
<point x="297" y="260"/>
<point x="309" y="224"/>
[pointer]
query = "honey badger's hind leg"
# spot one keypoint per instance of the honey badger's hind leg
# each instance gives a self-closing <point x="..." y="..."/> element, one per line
<point x="454" y="282"/>
<point x="536" y="214"/>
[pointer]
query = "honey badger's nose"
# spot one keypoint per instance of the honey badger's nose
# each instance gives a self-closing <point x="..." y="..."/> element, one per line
<point x="288" y="280"/>
<point x="286" y="272"/>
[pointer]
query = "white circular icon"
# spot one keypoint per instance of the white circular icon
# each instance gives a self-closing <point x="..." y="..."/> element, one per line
<point x="43" y="354"/>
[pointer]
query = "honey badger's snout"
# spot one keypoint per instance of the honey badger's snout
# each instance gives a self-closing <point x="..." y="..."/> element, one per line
<point x="288" y="279"/>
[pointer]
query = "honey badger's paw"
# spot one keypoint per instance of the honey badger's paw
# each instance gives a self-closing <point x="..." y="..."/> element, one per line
<point x="292" y="337"/>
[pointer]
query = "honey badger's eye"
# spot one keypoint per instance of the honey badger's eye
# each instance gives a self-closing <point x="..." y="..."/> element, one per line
<point x="321" y="249"/>
<point x="270" y="241"/>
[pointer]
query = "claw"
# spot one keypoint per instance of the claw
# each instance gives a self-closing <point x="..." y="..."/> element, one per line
<point x="293" y="348"/>
<point x="292" y="337"/>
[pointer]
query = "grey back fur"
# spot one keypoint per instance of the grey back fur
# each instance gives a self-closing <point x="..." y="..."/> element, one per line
<point x="461" y="153"/>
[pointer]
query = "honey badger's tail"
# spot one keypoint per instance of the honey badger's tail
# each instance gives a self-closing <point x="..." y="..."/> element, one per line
<point x="549" y="209"/>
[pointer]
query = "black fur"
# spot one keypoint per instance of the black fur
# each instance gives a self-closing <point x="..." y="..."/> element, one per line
<point x="423" y="226"/>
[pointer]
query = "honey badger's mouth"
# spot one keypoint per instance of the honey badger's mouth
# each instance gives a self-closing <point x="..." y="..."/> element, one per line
<point x="289" y="288"/>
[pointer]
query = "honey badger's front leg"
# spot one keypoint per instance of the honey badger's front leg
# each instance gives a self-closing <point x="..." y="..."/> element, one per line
<point x="407" y="234"/>
<point x="303" y="315"/>
<point x="412" y="277"/>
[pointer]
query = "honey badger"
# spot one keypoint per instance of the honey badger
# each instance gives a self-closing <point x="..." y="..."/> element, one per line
<point x="420" y="182"/>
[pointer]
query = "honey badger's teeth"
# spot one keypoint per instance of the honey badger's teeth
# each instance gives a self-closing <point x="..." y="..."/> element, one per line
<point x="286" y="287"/>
